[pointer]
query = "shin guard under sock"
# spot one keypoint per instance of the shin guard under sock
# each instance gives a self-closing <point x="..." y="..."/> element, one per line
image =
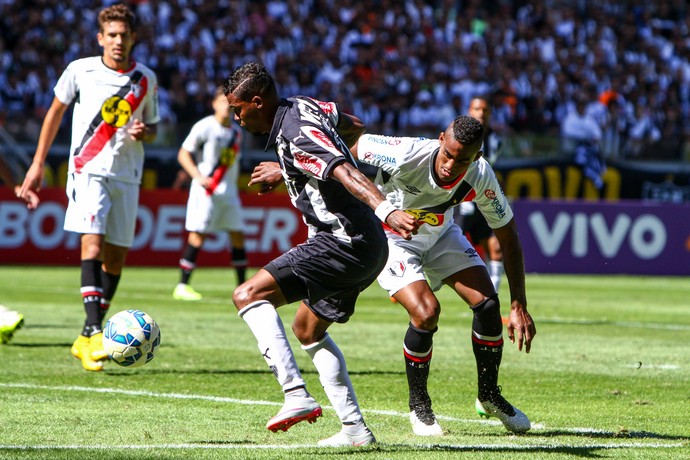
<point x="91" y="291"/>
<point x="417" y="348"/>
<point x="487" y="344"/>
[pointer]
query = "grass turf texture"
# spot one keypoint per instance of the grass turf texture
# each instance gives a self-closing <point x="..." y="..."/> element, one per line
<point x="608" y="375"/>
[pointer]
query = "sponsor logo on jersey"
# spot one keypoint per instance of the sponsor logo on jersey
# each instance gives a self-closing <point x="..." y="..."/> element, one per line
<point x="309" y="163"/>
<point x="371" y="157"/>
<point x="426" y="217"/>
<point x="471" y="252"/>
<point x="116" y="111"/>
<point x="412" y="190"/>
<point x="384" y="140"/>
<point x="321" y="138"/>
<point x="327" y="107"/>
<point x="495" y="202"/>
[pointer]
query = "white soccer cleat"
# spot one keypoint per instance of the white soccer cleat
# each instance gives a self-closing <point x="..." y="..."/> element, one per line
<point x="428" y="427"/>
<point x="497" y="406"/>
<point x="295" y="410"/>
<point x="345" y="439"/>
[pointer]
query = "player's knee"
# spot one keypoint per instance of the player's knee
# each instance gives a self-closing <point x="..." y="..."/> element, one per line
<point x="487" y="317"/>
<point x="242" y="295"/>
<point x="425" y="314"/>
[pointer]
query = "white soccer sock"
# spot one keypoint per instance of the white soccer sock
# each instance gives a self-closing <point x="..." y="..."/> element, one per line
<point x="330" y="364"/>
<point x="264" y="322"/>
<point x="496" y="272"/>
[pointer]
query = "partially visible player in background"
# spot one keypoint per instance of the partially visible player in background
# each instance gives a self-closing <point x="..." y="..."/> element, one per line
<point x="210" y="155"/>
<point x="11" y="320"/>
<point x="115" y="111"/>
<point x="468" y="216"/>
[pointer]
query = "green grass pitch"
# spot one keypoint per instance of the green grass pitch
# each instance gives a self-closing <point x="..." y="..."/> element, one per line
<point x="608" y="376"/>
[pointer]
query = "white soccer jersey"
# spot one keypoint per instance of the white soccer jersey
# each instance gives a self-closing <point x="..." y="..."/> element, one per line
<point x="216" y="150"/>
<point x="400" y="161"/>
<point x="106" y="103"/>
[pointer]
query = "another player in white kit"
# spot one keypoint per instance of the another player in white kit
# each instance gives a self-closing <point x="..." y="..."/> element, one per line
<point x="115" y="110"/>
<point x="210" y="155"/>
<point x="427" y="178"/>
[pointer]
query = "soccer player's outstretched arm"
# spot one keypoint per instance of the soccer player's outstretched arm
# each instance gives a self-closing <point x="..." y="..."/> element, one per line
<point x="513" y="261"/>
<point x="363" y="189"/>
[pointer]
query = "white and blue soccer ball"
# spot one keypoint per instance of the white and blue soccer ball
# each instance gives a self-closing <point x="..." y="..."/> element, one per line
<point x="131" y="338"/>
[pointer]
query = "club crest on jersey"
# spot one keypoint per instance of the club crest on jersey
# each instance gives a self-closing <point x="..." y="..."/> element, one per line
<point x="426" y="217"/>
<point x="136" y="89"/>
<point x="116" y="111"/>
<point x="397" y="268"/>
<point x="309" y="163"/>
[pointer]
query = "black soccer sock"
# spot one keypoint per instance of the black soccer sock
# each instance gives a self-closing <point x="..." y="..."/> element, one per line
<point x="487" y="343"/>
<point x="188" y="262"/>
<point x="91" y="293"/>
<point x="417" y="348"/>
<point x="110" y="283"/>
<point x="239" y="261"/>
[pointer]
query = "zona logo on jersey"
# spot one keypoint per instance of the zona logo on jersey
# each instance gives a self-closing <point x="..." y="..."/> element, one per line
<point x="495" y="203"/>
<point x="370" y="157"/>
<point x="116" y="111"/>
<point x="309" y="163"/>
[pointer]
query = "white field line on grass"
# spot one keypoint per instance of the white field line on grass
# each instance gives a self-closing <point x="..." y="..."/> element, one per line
<point x="536" y="426"/>
<point x="458" y="447"/>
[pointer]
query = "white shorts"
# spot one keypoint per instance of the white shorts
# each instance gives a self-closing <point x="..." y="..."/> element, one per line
<point x="430" y="257"/>
<point x="102" y="206"/>
<point x="215" y="213"/>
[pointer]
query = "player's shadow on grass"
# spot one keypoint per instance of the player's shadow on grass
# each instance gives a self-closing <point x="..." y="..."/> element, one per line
<point x="40" y="345"/>
<point x="236" y="371"/>
<point x="608" y="435"/>
<point x="575" y="451"/>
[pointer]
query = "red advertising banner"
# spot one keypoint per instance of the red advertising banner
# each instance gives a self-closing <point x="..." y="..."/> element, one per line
<point x="272" y="226"/>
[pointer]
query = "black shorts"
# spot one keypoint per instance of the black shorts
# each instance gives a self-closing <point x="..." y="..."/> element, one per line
<point x="328" y="274"/>
<point x="475" y="225"/>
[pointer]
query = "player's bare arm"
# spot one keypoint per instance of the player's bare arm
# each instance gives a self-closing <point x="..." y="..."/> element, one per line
<point x="7" y="178"/>
<point x="350" y="128"/>
<point x="184" y="157"/>
<point x="364" y="190"/>
<point x="140" y="131"/>
<point x="520" y="320"/>
<point x="268" y="175"/>
<point x="51" y="124"/>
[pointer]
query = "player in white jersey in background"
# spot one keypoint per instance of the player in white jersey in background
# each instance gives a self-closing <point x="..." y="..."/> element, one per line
<point x="468" y="216"/>
<point x="428" y="178"/>
<point x="115" y="110"/>
<point x="210" y="155"/>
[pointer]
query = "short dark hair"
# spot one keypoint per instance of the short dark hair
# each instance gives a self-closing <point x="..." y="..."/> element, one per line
<point x="118" y="12"/>
<point x="248" y="80"/>
<point x="467" y="130"/>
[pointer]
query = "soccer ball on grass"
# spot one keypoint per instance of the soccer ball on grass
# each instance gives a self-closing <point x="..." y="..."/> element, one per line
<point x="131" y="338"/>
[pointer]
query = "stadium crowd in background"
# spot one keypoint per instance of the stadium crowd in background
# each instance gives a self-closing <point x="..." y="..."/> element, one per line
<point x="387" y="58"/>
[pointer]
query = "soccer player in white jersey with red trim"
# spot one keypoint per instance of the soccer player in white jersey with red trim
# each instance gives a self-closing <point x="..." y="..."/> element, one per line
<point x="115" y="110"/>
<point x="210" y="155"/>
<point x="427" y="177"/>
